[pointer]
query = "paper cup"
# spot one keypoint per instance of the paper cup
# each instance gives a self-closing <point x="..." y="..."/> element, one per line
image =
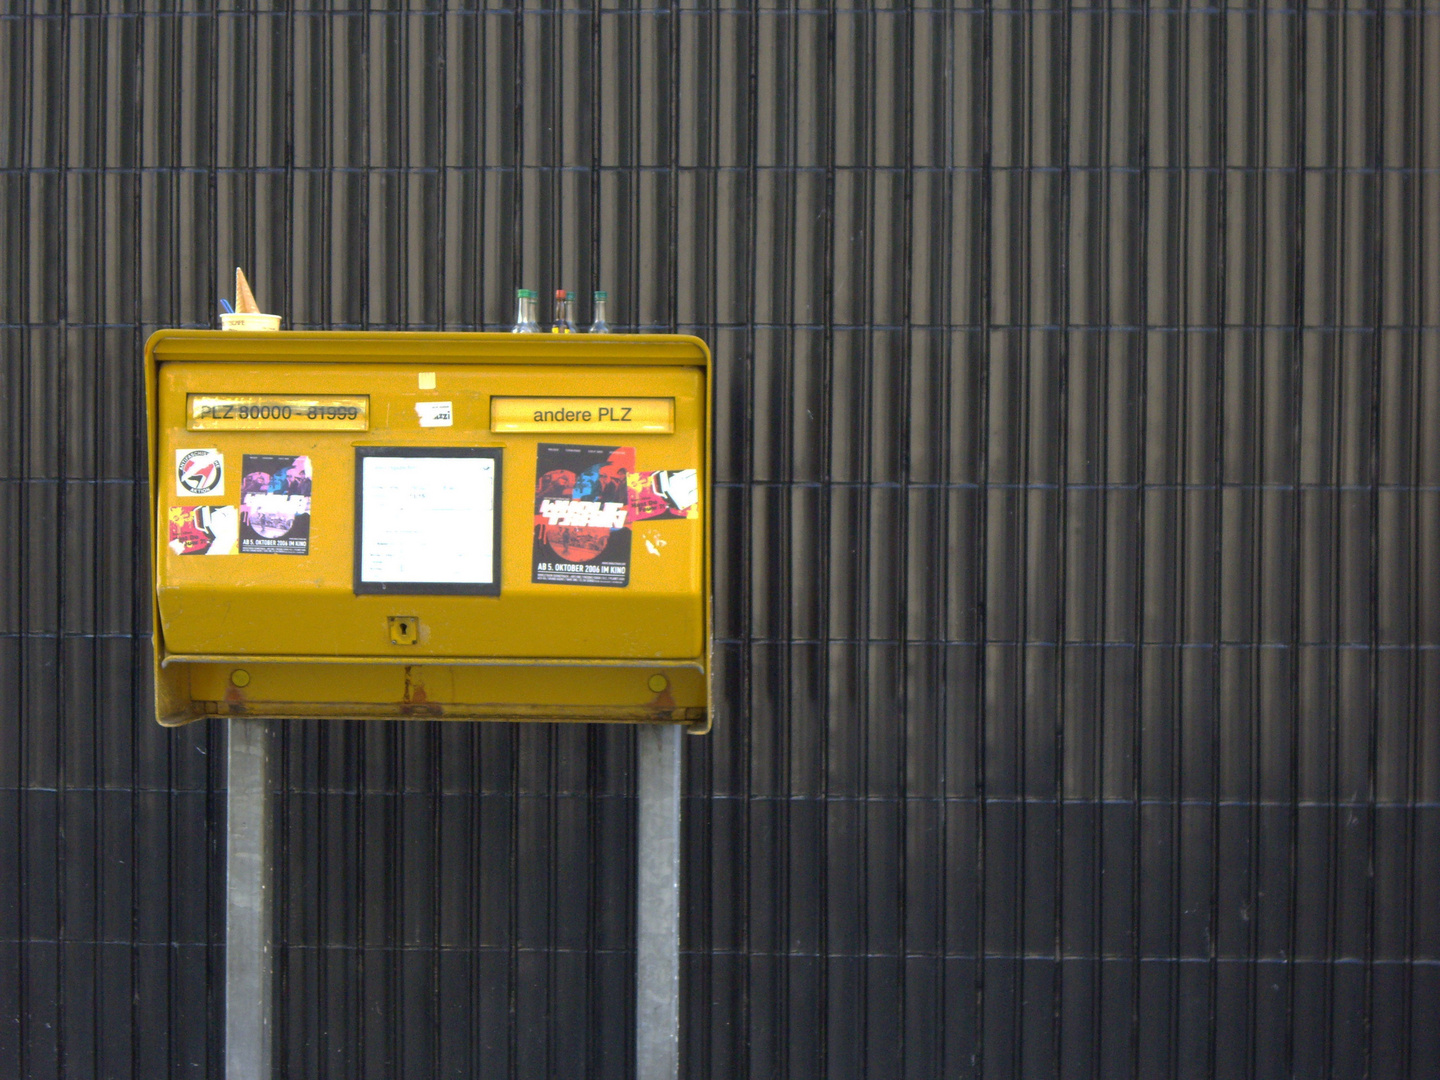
<point x="244" y="320"/>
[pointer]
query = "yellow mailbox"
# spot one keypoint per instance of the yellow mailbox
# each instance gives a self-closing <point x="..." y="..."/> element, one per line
<point x="433" y="525"/>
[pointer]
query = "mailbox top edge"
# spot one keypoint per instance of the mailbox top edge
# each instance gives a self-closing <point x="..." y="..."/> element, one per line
<point x="425" y="346"/>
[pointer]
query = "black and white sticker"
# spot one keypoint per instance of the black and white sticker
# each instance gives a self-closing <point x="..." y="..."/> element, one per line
<point x="435" y="413"/>
<point x="199" y="473"/>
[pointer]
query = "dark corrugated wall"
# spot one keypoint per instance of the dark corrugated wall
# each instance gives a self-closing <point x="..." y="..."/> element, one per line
<point x="1077" y="526"/>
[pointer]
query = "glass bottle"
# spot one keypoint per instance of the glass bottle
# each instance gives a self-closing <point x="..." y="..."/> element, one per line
<point x="562" y="324"/>
<point x="525" y="312"/>
<point x="599" y="326"/>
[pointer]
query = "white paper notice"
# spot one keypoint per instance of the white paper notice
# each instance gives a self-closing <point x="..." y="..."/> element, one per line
<point x="435" y="413"/>
<point x="428" y="520"/>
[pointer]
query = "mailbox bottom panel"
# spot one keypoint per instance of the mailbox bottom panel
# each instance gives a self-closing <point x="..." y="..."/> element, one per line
<point x="672" y="693"/>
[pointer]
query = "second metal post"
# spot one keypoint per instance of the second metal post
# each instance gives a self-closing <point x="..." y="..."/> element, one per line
<point x="657" y="896"/>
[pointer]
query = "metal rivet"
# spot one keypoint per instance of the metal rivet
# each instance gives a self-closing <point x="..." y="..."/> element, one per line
<point x="658" y="683"/>
<point x="240" y="677"/>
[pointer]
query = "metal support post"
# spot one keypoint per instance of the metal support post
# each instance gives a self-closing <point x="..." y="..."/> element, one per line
<point x="248" y="898"/>
<point x="657" y="904"/>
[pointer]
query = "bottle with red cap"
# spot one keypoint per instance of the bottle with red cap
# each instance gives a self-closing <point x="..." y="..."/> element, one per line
<point x="562" y="324"/>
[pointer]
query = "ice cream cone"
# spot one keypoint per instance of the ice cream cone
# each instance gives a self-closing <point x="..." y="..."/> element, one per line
<point x="244" y="299"/>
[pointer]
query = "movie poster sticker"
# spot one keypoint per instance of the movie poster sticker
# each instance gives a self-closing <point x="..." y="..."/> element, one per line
<point x="275" y="505"/>
<point x="582" y="498"/>
<point x="199" y="474"/>
<point x="204" y="530"/>
<point x="665" y="494"/>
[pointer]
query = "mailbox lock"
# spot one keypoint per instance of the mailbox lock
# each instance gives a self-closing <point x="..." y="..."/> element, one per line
<point x="239" y="677"/>
<point x="658" y="683"/>
<point x="404" y="629"/>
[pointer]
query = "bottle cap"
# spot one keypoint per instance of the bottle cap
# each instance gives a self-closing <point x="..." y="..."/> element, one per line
<point x="559" y="294"/>
<point x="599" y="296"/>
<point x="525" y="294"/>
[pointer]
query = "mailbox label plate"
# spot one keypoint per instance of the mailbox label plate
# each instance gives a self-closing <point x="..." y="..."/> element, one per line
<point x="628" y="415"/>
<point x="277" y="412"/>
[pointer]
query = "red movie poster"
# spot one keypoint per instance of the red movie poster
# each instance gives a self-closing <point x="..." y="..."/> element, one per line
<point x="582" y="498"/>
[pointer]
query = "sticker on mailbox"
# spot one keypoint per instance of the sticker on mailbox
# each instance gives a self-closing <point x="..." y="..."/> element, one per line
<point x="435" y="413"/>
<point x="203" y="530"/>
<point x="669" y="493"/>
<point x="275" y="505"/>
<point x="582" y="496"/>
<point x="199" y="473"/>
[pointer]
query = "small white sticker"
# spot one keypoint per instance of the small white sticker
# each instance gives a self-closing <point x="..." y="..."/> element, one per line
<point x="434" y="413"/>
<point x="199" y="473"/>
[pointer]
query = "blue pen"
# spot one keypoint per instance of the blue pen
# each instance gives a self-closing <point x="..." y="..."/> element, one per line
<point x="226" y="305"/>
